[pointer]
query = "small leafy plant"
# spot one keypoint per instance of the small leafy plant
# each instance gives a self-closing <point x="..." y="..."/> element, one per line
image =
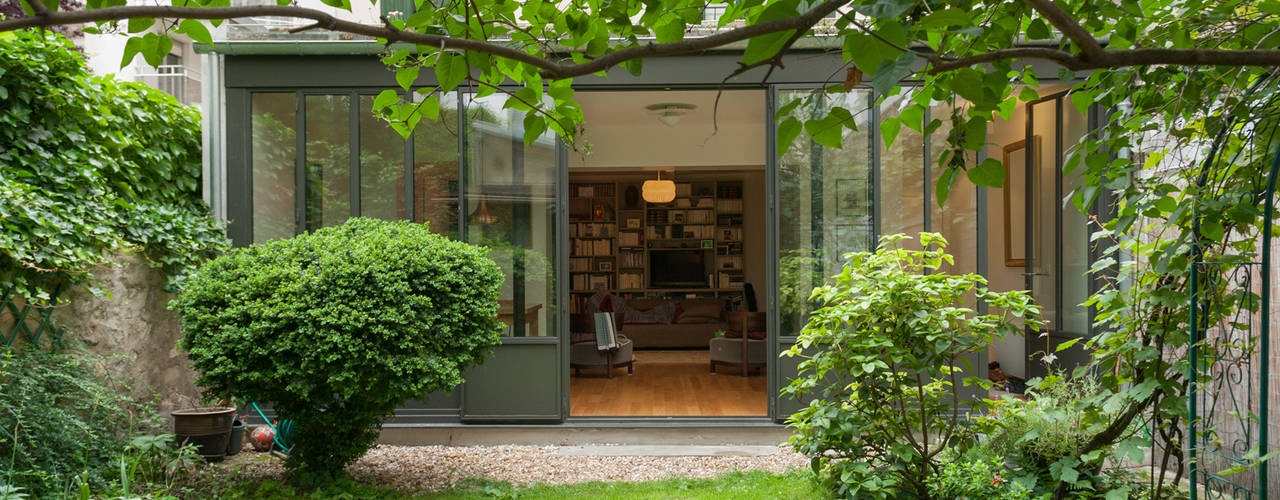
<point x="883" y="359"/>
<point x="338" y="327"/>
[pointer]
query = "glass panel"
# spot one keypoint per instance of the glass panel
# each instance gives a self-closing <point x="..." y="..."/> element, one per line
<point x="1043" y="207"/>
<point x="435" y="169"/>
<point x="510" y="189"/>
<point x="901" y="176"/>
<point x="381" y="166"/>
<point x="957" y="218"/>
<point x="1075" y="235"/>
<point x="824" y="201"/>
<point x="328" y="191"/>
<point x="273" y="120"/>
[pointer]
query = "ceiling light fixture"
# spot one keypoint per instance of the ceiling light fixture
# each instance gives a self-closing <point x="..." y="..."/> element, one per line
<point x="659" y="191"/>
<point x="670" y="113"/>
<point x="482" y="215"/>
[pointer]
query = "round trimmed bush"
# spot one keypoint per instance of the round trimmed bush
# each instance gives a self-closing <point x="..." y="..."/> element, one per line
<point x="338" y="327"/>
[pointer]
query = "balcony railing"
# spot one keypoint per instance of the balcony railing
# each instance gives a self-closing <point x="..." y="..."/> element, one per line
<point x="174" y="79"/>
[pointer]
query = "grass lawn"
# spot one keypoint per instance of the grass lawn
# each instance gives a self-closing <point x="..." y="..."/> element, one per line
<point x="735" y="485"/>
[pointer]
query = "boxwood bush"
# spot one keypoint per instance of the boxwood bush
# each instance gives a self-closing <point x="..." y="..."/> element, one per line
<point x="338" y="327"/>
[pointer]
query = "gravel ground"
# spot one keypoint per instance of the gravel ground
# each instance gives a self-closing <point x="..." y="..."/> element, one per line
<point x="439" y="467"/>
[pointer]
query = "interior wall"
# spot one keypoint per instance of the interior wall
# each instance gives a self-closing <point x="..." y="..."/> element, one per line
<point x="1012" y="352"/>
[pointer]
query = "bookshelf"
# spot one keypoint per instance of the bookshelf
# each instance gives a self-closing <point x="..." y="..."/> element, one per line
<point x="612" y="235"/>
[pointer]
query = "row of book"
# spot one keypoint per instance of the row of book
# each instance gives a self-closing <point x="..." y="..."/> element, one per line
<point x="629" y="239"/>
<point x="631" y="259"/>
<point x="731" y="205"/>
<point x="603" y="190"/>
<point x="593" y="248"/>
<point x="592" y="230"/>
<point x="630" y="281"/>
<point x="673" y="231"/>
<point x="587" y="282"/>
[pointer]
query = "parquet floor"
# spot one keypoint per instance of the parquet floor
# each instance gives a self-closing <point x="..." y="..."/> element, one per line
<point x="668" y="383"/>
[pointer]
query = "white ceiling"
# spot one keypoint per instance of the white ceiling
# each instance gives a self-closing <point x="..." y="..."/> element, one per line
<point x="628" y="107"/>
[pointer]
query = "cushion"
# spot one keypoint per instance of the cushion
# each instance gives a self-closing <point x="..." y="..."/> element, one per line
<point x="701" y="311"/>
<point x="753" y="335"/>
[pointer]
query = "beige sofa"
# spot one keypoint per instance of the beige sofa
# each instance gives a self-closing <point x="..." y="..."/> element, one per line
<point x="694" y="326"/>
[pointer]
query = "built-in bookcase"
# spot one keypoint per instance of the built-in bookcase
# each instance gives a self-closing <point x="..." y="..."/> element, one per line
<point x="612" y="234"/>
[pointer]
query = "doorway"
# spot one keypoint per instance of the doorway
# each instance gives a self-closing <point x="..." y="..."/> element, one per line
<point x="666" y="243"/>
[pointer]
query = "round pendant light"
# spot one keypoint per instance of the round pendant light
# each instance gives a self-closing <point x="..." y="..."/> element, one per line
<point x="658" y="191"/>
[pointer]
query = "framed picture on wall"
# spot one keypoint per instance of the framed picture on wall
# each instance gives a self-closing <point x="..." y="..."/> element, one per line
<point x="1016" y="199"/>
<point x="606" y="265"/>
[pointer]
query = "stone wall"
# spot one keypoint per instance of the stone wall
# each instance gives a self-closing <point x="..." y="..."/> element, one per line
<point x="134" y="329"/>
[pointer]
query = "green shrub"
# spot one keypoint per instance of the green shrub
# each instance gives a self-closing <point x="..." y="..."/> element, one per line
<point x="338" y="327"/>
<point x="882" y="357"/>
<point x="62" y="419"/>
<point x="1043" y="438"/>
<point x="974" y="478"/>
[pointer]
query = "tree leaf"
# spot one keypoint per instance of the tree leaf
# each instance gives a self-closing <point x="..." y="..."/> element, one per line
<point x="406" y="76"/>
<point x="892" y="72"/>
<point x="196" y="30"/>
<point x="989" y="173"/>
<point x="788" y="130"/>
<point x="140" y="24"/>
<point x="451" y="70"/>
<point x="946" y="180"/>
<point x="385" y="98"/>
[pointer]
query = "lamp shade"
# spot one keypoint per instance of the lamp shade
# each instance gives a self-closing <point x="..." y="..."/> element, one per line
<point x="658" y="191"/>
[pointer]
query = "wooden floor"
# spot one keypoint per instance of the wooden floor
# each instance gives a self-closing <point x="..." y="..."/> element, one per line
<point x="668" y="383"/>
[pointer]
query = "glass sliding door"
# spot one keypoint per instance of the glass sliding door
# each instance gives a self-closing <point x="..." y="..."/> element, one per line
<point x="1057" y="234"/>
<point x="328" y="160"/>
<point x="274" y="152"/>
<point x="824" y="209"/>
<point x="510" y="193"/>
<point x="382" y="185"/>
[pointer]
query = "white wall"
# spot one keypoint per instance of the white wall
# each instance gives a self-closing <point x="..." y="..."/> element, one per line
<point x="1012" y="352"/>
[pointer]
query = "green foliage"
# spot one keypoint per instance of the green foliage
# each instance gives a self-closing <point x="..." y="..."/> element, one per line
<point x="338" y="327"/>
<point x="975" y="479"/>
<point x="1044" y="438"/>
<point x="92" y="165"/>
<point x="63" y="422"/>
<point x="883" y="358"/>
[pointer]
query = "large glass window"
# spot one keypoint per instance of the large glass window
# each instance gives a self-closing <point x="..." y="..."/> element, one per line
<point x="274" y="152"/>
<point x="824" y="201"/>
<point x="902" y="182"/>
<point x="382" y="189"/>
<point x="435" y="169"/>
<point x="957" y="218"/>
<point x="328" y="182"/>
<point x="510" y="207"/>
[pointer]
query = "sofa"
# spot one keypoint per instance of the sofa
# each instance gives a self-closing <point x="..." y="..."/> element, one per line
<point x="695" y="323"/>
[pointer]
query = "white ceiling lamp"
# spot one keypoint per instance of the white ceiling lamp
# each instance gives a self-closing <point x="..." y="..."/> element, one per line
<point x="670" y="113"/>
<point x="658" y="191"/>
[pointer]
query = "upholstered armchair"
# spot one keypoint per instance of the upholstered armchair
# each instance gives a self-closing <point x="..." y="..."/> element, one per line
<point x="585" y="352"/>
<point x="743" y="345"/>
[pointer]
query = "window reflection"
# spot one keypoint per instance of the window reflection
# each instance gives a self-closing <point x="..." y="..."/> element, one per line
<point x="510" y="193"/>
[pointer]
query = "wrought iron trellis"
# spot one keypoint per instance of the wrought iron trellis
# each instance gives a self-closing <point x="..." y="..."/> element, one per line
<point x="21" y="313"/>
<point x="1229" y="355"/>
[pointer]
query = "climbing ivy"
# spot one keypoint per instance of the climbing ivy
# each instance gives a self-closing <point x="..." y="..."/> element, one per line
<point x="90" y="166"/>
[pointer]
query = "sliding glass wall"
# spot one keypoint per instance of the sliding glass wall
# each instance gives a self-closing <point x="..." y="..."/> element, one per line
<point x="510" y="200"/>
<point x="824" y="201"/>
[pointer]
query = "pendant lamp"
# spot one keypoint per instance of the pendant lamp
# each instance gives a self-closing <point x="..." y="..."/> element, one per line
<point x="658" y="191"/>
<point x="482" y="215"/>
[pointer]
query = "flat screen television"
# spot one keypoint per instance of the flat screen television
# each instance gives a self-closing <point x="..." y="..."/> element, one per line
<point x="678" y="268"/>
